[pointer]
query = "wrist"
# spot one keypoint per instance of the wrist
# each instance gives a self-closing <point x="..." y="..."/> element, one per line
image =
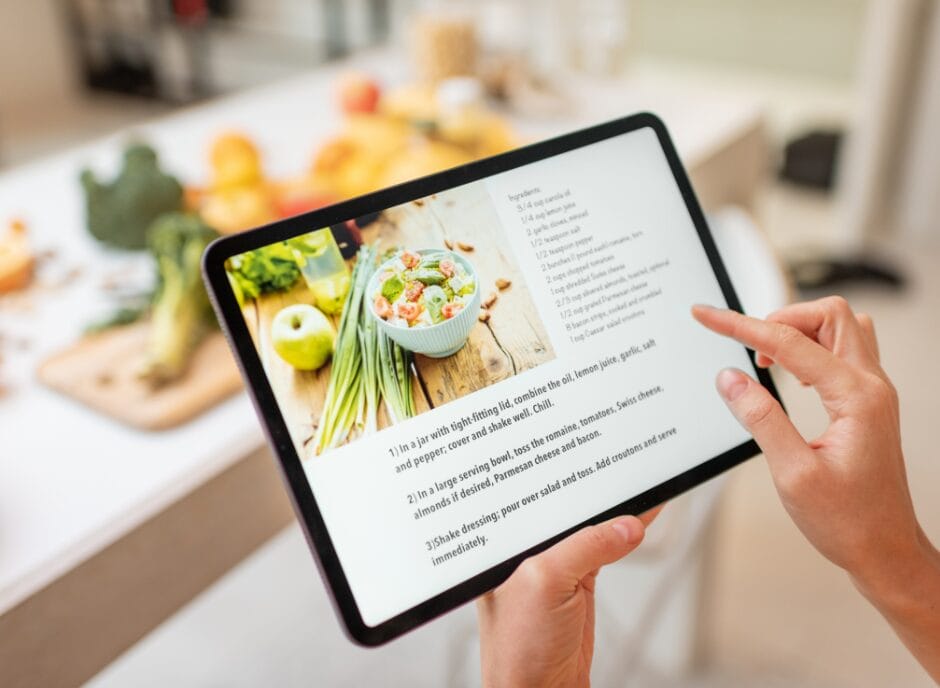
<point x="903" y="578"/>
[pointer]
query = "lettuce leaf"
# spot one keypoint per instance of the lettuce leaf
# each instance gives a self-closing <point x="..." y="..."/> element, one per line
<point x="392" y="288"/>
<point x="434" y="300"/>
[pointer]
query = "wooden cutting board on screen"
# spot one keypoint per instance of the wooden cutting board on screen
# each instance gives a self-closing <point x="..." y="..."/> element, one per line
<point x="100" y="371"/>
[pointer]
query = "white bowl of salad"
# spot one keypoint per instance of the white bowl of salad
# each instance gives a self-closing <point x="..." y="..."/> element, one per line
<point x="426" y="300"/>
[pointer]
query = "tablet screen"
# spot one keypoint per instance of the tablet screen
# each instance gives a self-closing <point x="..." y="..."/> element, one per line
<point x="468" y="374"/>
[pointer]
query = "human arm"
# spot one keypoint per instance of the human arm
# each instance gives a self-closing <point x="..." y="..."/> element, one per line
<point x="847" y="489"/>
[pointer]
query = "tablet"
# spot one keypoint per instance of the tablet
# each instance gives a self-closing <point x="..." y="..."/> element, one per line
<point x="459" y="371"/>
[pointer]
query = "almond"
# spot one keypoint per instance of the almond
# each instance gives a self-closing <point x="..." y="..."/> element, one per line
<point x="484" y="315"/>
<point x="449" y="244"/>
<point x="464" y="247"/>
<point x="503" y="283"/>
<point x="490" y="300"/>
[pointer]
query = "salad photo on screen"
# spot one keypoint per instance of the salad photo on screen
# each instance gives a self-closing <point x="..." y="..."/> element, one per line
<point x="365" y="324"/>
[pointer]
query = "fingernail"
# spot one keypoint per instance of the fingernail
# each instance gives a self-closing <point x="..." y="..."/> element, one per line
<point x="731" y="383"/>
<point x="630" y="529"/>
<point x="703" y="306"/>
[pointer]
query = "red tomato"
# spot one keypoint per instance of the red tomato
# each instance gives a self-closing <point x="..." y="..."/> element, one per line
<point x="447" y="268"/>
<point x="451" y="309"/>
<point x="383" y="308"/>
<point x="413" y="292"/>
<point x="408" y="311"/>
<point x="410" y="259"/>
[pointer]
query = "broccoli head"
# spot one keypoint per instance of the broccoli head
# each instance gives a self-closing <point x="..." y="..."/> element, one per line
<point x="181" y="313"/>
<point x="118" y="213"/>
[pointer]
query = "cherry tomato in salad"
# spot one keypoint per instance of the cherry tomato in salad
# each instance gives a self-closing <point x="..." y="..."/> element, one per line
<point x="410" y="260"/>
<point x="383" y="308"/>
<point x="413" y="291"/>
<point x="451" y="309"/>
<point x="408" y="311"/>
<point x="446" y="267"/>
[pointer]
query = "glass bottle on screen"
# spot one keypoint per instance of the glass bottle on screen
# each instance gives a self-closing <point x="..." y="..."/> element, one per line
<point x="323" y="269"/>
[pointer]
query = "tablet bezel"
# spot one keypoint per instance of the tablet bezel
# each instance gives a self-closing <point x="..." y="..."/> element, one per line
<point x="298" y="487"/>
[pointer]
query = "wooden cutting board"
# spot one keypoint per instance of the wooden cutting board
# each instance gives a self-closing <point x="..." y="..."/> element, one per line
<point x="100" y="371"/>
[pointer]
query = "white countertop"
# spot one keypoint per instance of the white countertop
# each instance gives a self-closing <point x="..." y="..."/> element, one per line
<point x="73" y="481"/>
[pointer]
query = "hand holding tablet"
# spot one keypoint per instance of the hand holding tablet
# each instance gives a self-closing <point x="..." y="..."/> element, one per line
<point x="513" y="359"/>
<point x="537" y="628"/>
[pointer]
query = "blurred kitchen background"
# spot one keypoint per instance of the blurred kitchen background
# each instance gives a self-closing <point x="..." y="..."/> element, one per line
<point x="136" y="555"/>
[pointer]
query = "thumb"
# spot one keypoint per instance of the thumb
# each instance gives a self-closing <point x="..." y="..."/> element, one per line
<point x="594" y="546"/>
<point x="763" y="417"/>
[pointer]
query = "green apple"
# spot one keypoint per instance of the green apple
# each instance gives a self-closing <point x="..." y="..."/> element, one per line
<point x="303" y="336"/>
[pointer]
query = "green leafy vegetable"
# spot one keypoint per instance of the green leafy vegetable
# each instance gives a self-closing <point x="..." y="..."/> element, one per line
<point x="392" y="288"/>
<point x="119" y="212"/>
<point x="434" y="300"/>
<point x="181" y="313"/>
<point x="461" y="285"/>
<point x="431" y="259"/>
<point x="426" y="276"/>
<point x="263" y="270"/>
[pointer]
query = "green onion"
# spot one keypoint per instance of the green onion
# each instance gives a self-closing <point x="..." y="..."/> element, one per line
<point x="368" y="341"/>
<point x="345" y="394"/>
<point x="367" y="367"/>
<point x="395" y="379"/>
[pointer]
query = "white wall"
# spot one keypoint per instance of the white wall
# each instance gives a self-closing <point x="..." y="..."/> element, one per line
<point x="815" y="38"/>
<point x="35" y="59"/>
<point x="918" y="201"/>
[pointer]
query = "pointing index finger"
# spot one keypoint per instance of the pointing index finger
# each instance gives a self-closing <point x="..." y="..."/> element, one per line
<point x="807" y="360"/>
